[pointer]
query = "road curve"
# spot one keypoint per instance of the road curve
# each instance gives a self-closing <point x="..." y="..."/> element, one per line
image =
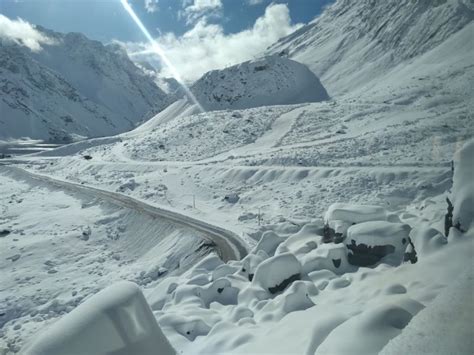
<point x="228" y="244"/>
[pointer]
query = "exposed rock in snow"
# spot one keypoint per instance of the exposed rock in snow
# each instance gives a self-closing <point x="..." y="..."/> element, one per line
<point x="251" y="262"/>
<point x="340" y="216"/>
<point x="277" y="273"/>
<point x="116" y="320"/>
<point x="271" y="80"/>
<point x="370" y="242"/>
<point x="329" y="256"/>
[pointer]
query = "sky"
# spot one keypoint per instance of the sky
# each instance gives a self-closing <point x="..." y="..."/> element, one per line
<point x="197" y="35"/>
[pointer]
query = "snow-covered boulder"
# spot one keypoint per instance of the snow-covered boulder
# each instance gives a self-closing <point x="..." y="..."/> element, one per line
<point x="206" y="265"/>
<point x="268" y="243"/>
<point x="428" y="240"/>
<point x="224" y="270"/>
<point x="220" y="291"/>
<point x="300" y="243"/>
<point x="190" y="327"/>
<point x="117" y="320"/>
<point x="296" y="298"/>
<point x="370" y="242"/>
<point x="272" y="80"/>
<point x="161" y="293"/>
<point x="276" y="273"/>
<point x="340" y="216"/>
<point x="251" y="262"/>
<point x="463" y="187"/>
<point x="330" y="256"/>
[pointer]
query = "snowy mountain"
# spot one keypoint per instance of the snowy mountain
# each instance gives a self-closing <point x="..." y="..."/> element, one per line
<point x="272" y="80"/>
<point x="354" y="43"/>
<point x="72" y="86"/>
<point x="357" y="212"/>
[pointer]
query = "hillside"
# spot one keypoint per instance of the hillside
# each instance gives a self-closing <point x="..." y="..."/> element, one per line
<point x="272" y="80"/>
<point x="355" y="203"/>
<point x="353" y="44"/>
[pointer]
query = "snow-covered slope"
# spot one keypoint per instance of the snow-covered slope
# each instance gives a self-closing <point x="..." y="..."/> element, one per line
<point x="272" y="80"/>
<point x="354" y="43"/>
<point x="72" y="86"/>
<point x="382" y="146"/>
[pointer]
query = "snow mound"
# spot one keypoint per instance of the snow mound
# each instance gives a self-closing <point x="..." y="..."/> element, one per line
<point x="428" y="240"/>
<point x="300" y="243"/>
<point x="368" y="332"/>
<point x="445" y="326"/>
<point x="463" y="187"/>
<point x="272" y="80"/>
<point x="268" y="243"/>
<point x="296" y="298"/>
<point x="276" y="273"/>
<point x="116" y="320"/>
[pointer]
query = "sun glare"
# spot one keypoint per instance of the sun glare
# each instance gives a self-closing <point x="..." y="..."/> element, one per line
<point x="155" y="48"/>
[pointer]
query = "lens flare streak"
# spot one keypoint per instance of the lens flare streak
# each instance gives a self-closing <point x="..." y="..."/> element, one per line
<point x="155" y="48"/>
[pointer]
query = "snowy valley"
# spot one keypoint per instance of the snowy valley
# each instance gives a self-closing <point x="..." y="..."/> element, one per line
<point x="318" y="199"/>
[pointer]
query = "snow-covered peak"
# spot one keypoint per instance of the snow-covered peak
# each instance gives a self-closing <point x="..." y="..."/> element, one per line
<point x="74" y="85"/>
<point x="272" y="80"/>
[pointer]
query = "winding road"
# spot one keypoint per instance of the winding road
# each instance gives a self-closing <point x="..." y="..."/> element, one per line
<point x="229" y="246"/>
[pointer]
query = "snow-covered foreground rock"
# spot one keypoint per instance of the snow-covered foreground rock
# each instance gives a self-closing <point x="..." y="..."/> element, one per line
<point x="117" y="320"/>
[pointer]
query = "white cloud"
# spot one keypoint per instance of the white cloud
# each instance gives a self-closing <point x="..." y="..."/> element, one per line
<point x="255" y="2"/>
<point x="199" y="9"/>
<point x="151" y="5"/>
<point x="23" y="33"/>
<point x="206" y="47"/>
